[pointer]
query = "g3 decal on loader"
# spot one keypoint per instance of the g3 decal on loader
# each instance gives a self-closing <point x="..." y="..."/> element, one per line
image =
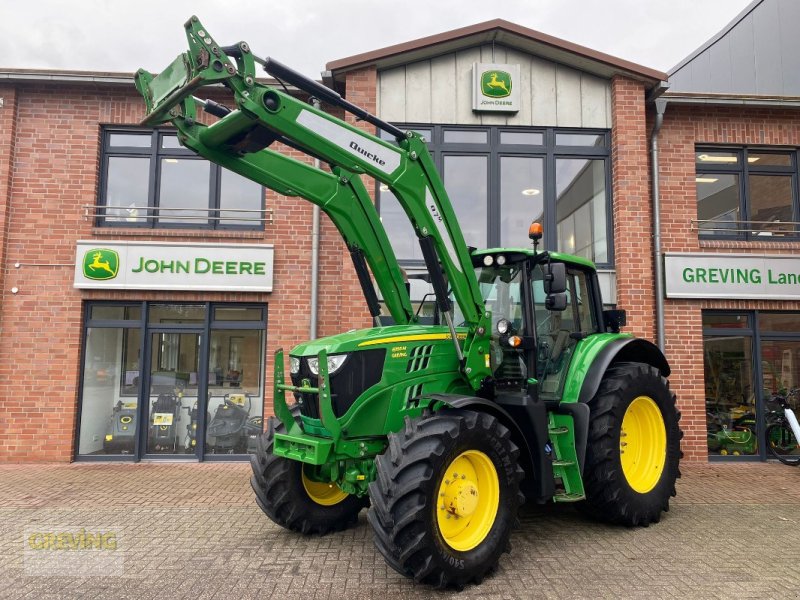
<point x="526" y="390"/>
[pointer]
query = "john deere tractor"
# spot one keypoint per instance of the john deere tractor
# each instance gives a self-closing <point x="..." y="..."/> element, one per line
<point x="520" y="388"/>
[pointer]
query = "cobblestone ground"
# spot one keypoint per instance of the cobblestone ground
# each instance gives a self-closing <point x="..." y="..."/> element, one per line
<point x="193" y="531"/>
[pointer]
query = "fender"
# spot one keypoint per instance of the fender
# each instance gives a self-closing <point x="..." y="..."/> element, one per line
<point x="526" y="418"/>
<point x="621" y="350"/>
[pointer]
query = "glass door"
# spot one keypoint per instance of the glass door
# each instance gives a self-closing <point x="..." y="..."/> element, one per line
<point x="175" y="399"/>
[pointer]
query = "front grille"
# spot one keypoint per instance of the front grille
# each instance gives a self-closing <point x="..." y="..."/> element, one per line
<point x="360" y="372"/>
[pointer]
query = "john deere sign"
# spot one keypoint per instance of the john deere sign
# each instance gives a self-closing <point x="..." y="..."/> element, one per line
<point x="168" y="266"/>
<point x="495" y="87"/>
<point x="732" y="276"/>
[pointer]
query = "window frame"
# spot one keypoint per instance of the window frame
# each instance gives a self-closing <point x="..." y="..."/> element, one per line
<point x="494" y="150"/>
<point x="743" y="168"/>
<point x="155" y="153"/>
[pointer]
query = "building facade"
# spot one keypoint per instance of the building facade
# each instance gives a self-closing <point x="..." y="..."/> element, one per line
<point x="144" y="291"/>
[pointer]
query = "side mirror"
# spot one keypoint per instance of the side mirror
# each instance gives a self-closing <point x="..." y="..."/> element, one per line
<point x="614" y="320"/>
<point x="554" y="278"/>
<point x="556" y="301"/>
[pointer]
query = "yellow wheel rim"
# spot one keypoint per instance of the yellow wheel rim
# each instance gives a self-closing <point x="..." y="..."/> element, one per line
<point x="643" y="444"/>
<point x="325" y="494"/>
<point x="466" y="505"/>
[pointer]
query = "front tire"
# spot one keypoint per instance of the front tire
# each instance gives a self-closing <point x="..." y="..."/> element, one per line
<point x="633" y="454"/>
<point x="289" y="495"/>
<point x="446" y="497"/>
<point x="780" y="442"/>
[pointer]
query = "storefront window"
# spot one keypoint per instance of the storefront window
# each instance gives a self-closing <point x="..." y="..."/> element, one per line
<point x="110" y="383"/>
<point x="200" y="393"/>
<point x="730" y="395"/>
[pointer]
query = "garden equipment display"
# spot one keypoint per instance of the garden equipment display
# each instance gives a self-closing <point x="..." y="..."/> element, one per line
<point x="522" y="389"/>
<point x="121" y="436"/>
<point x="165" y="413"/>
<point x="231" y="428"/>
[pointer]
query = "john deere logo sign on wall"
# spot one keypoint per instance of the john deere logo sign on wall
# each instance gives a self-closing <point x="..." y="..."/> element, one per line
<point x="732" y="276"/>
<point x="173" y="266"/>
<point x="100" y="264"/>
<point x="494" y="88"/>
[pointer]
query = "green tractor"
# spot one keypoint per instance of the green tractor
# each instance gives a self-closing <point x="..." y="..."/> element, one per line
<point x="521" y="388"/>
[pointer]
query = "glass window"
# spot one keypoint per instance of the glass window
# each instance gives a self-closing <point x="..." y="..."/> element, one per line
<point x="717" y="203"/>
<point x="784" y="322"/>
<point x="521" y="198"/>
<point x="730" y="395"/>
<point x="747" y="193"/>
<point x="725" y="321"/>
<point x="581" y="206"/>
<point x="126" y="189"/>
<point x="508" y="180"/>
<point x="184" y="181"/>
<point x="112" y="312"/>
<point x="235" y="378"/>
<point x="177" y="313"/>
<point x="235" y="313"/>
<point x="466" y="181"/>
<point x="771" y="204"/>
<point x="579" y="139"/>
<point x="528" y="138"/>
<point x="130" y="140"/>
<point x="150" y="180"/>
<point x="454" y="136"/>
<point x="109" y="399"/>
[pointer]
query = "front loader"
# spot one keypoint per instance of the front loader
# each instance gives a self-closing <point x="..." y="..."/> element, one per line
<point x="523" y="388"/>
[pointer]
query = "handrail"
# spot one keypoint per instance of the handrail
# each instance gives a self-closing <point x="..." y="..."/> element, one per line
<point x="784" y="227"/>
<point x="93" y="211"/>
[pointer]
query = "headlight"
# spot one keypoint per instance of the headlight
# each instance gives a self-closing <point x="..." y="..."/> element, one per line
<point x="503" y="325"/>
<point x="335" y="363"/>
<point x="294" y="365"/>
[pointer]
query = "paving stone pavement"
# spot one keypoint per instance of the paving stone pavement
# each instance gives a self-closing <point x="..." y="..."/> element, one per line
<point x="194" y="531"/>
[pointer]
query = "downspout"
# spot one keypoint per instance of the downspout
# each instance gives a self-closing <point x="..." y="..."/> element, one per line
<point x="661" y="106"/>
<point x="312" y="333"/>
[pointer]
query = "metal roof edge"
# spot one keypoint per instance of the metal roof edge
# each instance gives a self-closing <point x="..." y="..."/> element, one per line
<point x="732" y="100"/>
<point x="713" y="40"/>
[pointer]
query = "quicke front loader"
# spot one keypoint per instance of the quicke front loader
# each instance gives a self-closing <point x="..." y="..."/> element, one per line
<point x="520" y="388"/>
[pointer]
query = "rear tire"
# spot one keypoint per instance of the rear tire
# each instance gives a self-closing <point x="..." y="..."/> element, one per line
<point x="284" y="491"/>
<point x="633" y="411"/>
<point x="432" y="523"/>
<point x="780" y="438"/>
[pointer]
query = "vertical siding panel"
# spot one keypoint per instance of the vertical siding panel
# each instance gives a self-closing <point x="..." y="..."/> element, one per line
<point x="464" y="61"/>
<point x="490" y="118"/>
<point x="543" y="92"/>
<point x="393" y="94"/>
<point x="593" y="101"/>
<point x="443" y="89"/>
<point x="524" y="117"/>
<point x="418" y="92"/>
<point x="568" y="97"/>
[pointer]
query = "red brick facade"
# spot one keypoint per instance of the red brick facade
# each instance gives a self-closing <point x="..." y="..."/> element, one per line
<point x="683" y="128"/>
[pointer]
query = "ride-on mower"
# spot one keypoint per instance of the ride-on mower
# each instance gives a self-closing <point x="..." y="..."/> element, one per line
<point x="522" y="388"/>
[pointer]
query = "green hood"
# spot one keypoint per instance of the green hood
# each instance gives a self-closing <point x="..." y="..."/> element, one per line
<point x="376" y="337"/>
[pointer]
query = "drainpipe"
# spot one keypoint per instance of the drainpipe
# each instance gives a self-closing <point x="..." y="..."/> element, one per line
<point x="661" y="107"/>
<point x="312" y="333"/>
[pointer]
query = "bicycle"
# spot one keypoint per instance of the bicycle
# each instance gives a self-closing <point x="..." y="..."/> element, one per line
<point x="783" y="434"/>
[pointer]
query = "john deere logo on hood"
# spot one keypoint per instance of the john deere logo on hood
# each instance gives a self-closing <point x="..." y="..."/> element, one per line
<point x="496" y="84"/>
<point x="100" y="263"/>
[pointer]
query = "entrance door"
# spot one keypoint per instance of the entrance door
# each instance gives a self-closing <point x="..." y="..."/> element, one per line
<point x="175" y="394"/>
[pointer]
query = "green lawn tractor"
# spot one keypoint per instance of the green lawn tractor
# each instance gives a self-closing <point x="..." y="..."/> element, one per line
<point x="522" y="388"/>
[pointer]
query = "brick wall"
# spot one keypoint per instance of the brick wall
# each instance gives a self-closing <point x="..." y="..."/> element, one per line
<point x="683" y="128"/>
<point x="49" y="167"/>
<point x="631" y="206"/>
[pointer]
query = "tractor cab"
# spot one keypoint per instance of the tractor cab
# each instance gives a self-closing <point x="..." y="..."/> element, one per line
<point x="542" y="305"/>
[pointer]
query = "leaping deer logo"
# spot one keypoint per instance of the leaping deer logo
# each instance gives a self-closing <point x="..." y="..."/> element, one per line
<point x="100" y="263"/>
<point x="496" y="84"/>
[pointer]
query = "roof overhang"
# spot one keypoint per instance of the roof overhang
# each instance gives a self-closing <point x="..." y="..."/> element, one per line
<point x="501" y="32"/>
<point x="694" y="99"/>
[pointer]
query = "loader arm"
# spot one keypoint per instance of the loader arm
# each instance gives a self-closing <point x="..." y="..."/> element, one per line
<point x="263" y="114"/>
